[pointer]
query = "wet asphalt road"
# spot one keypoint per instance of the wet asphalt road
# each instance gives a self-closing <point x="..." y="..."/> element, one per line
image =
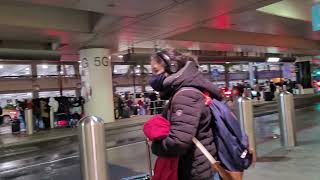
<point x="126" y="151"/>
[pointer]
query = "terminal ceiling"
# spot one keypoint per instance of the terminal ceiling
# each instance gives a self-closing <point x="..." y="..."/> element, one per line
<point x="123" y="24"/>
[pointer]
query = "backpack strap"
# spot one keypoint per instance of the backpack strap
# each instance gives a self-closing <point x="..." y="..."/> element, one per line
<point x="207" y="102"/>
<point x="205" y="94"/>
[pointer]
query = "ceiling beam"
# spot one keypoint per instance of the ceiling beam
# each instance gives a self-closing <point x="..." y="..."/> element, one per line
<point x="209" y="35"/>
<point x="44" y="17"/>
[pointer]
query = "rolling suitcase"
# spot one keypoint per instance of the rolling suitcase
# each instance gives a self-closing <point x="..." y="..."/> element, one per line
<point x="268" y="96"/>
<point x="149" y="163"/>
<point x="15" y="126"/>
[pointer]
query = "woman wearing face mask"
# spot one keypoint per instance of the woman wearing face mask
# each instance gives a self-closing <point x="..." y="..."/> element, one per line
<point x="189" y="116"/>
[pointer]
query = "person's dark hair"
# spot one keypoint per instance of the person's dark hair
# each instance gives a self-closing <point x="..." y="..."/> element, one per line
<point x="180" y="59"/>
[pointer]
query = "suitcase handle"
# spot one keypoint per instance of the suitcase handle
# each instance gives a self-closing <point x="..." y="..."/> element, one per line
<point x="149" y="161"/>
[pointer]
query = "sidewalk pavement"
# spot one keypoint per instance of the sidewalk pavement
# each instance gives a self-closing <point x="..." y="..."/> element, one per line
<point x="10" y="140"/>
<point x="279" y="163"/>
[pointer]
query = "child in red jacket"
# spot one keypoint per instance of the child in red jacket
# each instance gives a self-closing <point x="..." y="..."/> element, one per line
<point x="166" y="168"/>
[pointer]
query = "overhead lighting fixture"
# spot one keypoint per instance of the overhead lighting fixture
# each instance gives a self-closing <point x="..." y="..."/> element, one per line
<point x="79" y="61"/>
<point x="44" y="66"/>
<point x="1" y="66"/>
<point x="120" y="56"/>
<point x="273" y="59"/>
<point x="227" y="62"/>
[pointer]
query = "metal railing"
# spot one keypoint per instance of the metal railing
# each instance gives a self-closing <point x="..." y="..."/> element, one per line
<point x="156" y="107"/>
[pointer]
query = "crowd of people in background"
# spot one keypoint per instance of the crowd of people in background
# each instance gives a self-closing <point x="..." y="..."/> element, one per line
<point x="266" y="90"/>
<point x="130" y="104"/>
<point x="149" y="103"/>
<point x="53" y="112"/>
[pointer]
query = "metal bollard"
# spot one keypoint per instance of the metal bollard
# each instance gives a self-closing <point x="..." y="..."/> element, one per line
<point x="287" y="119"/>
<point x="245" y="115"/>
<point x="92" y="148"/>
<point x="29" y="120"/>
<point x="51" y="118"/>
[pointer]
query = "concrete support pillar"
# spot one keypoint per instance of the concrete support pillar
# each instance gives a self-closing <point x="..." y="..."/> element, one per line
<point x="96" y="79"/>
<point x="77" y="72"/>
<point x="226" y="74"/>
<point x="77" y="69"/>
<point x="78" y="92"/>
<point x="60" y="79"/>
<point x="304" y="73"/>
<point x="251" y="74"/>
<point x="35" y="94"/>
<point x="34" y="73"/>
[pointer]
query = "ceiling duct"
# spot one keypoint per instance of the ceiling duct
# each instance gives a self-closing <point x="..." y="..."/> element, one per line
<point x="27" y="54"/>
<point x="218" y="57"/>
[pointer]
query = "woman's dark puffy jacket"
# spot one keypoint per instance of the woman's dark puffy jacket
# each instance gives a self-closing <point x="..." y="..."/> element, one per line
<point x="189" y="117"/>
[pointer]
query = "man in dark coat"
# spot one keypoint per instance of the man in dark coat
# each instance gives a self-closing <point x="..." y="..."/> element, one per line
<point x="153" y="98"/>
<point x="187" y="113"/>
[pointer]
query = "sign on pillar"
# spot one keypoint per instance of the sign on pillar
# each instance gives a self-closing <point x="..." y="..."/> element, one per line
<point x="96" y="83"/>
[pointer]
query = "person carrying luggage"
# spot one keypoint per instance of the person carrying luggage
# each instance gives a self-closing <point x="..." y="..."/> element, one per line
<point x="188" y="114"/>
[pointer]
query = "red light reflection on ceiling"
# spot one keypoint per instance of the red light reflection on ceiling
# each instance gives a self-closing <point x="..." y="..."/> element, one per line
<point x="221" y="22"/>
<point x="126" y="34"/>
<point x="64" y="37"/>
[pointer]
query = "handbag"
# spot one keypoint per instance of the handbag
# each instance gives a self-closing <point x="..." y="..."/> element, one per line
<point x="224" y="174"/>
